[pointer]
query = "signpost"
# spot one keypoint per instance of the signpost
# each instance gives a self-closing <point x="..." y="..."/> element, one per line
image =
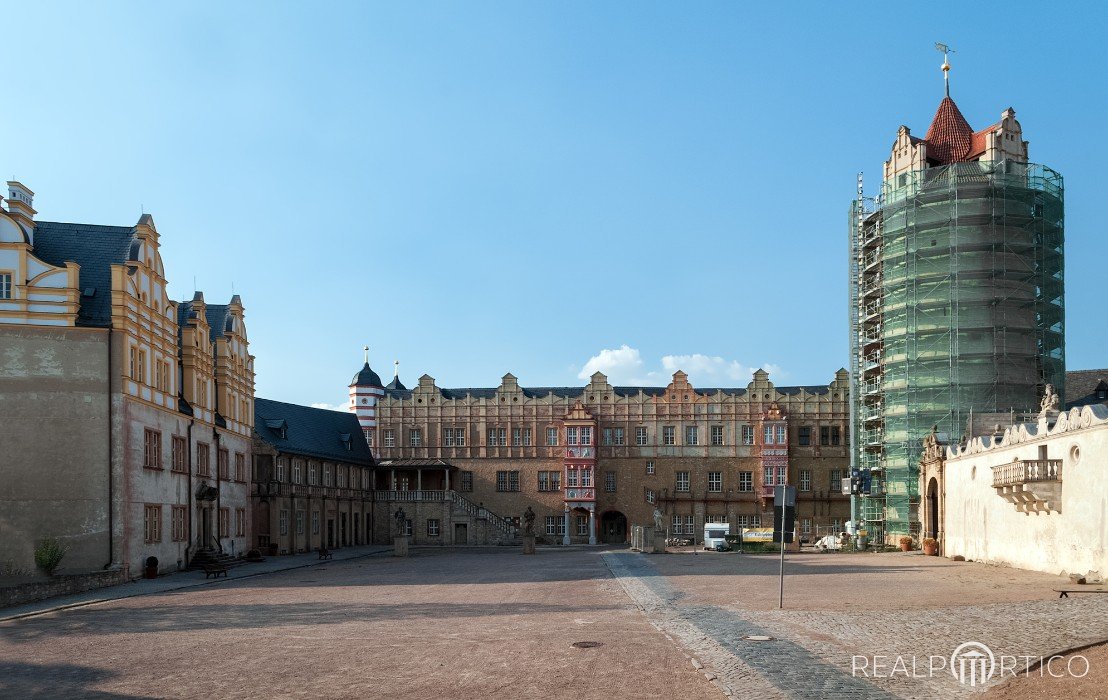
<point x="784" y="521"/>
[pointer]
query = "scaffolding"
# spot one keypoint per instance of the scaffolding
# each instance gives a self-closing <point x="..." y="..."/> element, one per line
<point x="956" y="306"/>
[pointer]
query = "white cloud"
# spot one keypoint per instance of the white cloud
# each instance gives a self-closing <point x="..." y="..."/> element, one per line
<point x="330" y="407"/>
<point x="625" y="366"/>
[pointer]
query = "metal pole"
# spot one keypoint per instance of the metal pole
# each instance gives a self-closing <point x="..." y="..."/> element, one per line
<point x="781" y="586"/>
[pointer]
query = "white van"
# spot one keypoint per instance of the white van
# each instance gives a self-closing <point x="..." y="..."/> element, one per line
<point x="714" y="534"/>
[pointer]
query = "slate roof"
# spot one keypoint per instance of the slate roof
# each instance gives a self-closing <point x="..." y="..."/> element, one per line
<point x="218" y="317"/>
<point x="366" y="377"/>
<point x="95" y="249"/>
<point x="1082" y="387"/>
<point x="312" y="432"/>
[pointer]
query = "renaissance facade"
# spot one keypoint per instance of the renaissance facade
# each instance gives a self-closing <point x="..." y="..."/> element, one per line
<point x="593" y="460"/>
<point x="130" y="413"/>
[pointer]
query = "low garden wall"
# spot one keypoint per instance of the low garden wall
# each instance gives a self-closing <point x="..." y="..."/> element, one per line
<point x="30" y="591"/>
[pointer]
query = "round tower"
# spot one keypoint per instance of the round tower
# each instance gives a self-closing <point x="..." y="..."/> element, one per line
<point x="365" y="391"/>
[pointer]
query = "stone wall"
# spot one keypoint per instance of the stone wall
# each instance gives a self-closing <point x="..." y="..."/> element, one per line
<point x="60" y="585"/>
<point x="54" y="426"/>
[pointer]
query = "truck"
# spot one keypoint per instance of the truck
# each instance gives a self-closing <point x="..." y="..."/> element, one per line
<point x="714" y="534"/>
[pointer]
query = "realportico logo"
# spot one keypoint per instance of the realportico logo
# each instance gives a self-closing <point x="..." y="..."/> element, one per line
<point x="971" y="663"/>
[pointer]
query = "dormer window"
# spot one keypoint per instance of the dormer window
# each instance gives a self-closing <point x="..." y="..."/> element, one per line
<point x="347" y="442"/>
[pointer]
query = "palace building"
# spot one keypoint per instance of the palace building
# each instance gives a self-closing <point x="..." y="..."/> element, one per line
<point x="130" y="413"/>
<point x="464" y="464"/>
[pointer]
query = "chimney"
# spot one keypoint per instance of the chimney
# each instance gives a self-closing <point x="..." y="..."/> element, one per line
<point x="20" y="200"/>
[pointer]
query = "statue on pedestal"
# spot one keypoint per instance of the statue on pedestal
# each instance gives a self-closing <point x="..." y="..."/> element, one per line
<point x="659" y="521"/>
<point x="529" y="522"/>
<point x="401" y="520"/>
<point x="1050" y="401"/>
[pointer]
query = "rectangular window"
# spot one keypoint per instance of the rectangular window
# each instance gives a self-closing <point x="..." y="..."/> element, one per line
<point x="836" y="485"/>
<point x="649" y="496"/>
<point x="369" y="437"/>
<point x="152" y="449"/>
<point x="746" y="481"/>
<point x="5" y="285"/>
<point x="649" y="468"/>
<point x="327" y="476"/>
<point x="340" y="477"/>
<point x="467" y="482"/>
<point x="526" y="437"/>
<point x="805" y="479"/>
<point x="544" y="481"/>
<point x="781" y="436"/>
<point x="551" y="524"/>
<point x="415" y="437"/>
<point x="571" y="436"/>
<point x="715" y="482"/>
<point x="682" y="481"/>
<point x="551" y="436"/>
<point x="691" y="435"/>
<point x="586" y="436"/>
<point x="240" y="522"/>
<point x="767" y="435"/>
<point x="717" y="434"/>
<point x="517" y="437"/>
<point x="507" y="481"/>
<point x="283" y="523"/>
<point x="389" y="438"/>
<point x="586" y="478"/>
<point x="781" y="476"/>
<point x="562" y="526"/>
<point x="571" y="477"/>
<point x="690" y="528"/>
<point x="315" y="522"/>
<point x="447" y="437"/>
<point x="806" y="526"/>
<point x="408" y="527"/>
<point x="297" y="472"/>
<point x="432" y="528"/>
<point x="180" y="454"/>
<point x="204" y="460"/>
<point x="300" y="522"/>
<point x="668" y="435"/>
<point x="767" y="476"/>
<point x="640" y="436"/>
<point x="748" y="434"/>
<point x="610" y="482"/>
<point x="804" y="435"/>
<point x="582" y="525"/>
<point x="312" y="474"/>
<point x="497" y="437"/>
<point x="222" y="459"/>
<point x="617" y="435"/>
<point x="224" y="522"/>
<point x="240" y="466"/>
<point x="152" y="523"/>
<point x="677" y="525"/>
<point x="607" y="436"/>
<point x="836" y="438"/>
<point x="459" y="437"/>
<point x="179" y="516"/>
<point x="825" y="435"/>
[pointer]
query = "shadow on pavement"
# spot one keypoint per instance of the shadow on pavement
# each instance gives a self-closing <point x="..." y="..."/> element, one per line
<point x="27" y="680"/>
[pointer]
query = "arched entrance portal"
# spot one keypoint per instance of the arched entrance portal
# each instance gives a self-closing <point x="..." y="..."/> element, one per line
<point x="613" y="527"/>
<point x="933" y="508"/>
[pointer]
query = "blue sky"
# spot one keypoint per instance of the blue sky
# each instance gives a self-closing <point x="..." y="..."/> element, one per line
<point x="475" y="188"/>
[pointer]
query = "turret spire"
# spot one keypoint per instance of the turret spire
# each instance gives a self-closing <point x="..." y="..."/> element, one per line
<point x="366" y="348"/>
<point x="946" y="51"/>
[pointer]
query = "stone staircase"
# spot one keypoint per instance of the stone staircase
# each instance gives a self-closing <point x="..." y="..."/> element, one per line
<point x="502" y="531"/>
<point x="209" y="555"/>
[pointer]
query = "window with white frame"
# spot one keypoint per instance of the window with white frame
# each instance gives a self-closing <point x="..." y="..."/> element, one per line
<point x="586" y="478"/>
<point x="432" y="527"/>
<point x="415" y="437"/>
<point x="607" y="436"/>
<point x="717" y="434"/>
<point x="526" y="437"/>
<point x="571" y="477"/>
<point x="668" y="435"/>
<point x="326" y="475"/>
<point x="649" y="496"/>
<point x="300" y="522"/>
<point x="715" y="482"/>
<point x="283" y="522"/>
<point x="691" y="435"/>
<point x="682" y="481"/>
<point x="781" y="435"/>
<point x="746" y="481"/>
<point x="408" y="527"/>
<point x="447" y="437"/>
<point x="767" y="476"/>
<point x="571" y="436"/>
<point x="5" y="285"/>
<point x="805" y="479"/>
<point x="610" y="482"/>
<point x="748" y="434"/>
<point x="388" y="437"/>
<point x="517" y="437"/>
<point x="552" y="436"/>
<point x="677" y="524"/>
<point x="781" y="478"/>
<point x="561" y="526"/>
<point x="297" y="473"/>
<point x="311" y="474"/>
<point x="650" y="468"/>
<point x="767" y="435"/>
<point x="690" y="528"/>
<point x="315" y="522"/>
<point x="806" y="526"/>
<point x="640" y="436"/>
<point x="582" y="525"/>
<point x="497" y="437"/>
<point x="617" y="436"/>
<point x="586" y="435"/>
<point x="551" y="524"/>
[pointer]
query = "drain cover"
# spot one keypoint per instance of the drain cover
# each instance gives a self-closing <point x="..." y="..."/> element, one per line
<point x="758" y="638"/>
<point x="586" y="645"/>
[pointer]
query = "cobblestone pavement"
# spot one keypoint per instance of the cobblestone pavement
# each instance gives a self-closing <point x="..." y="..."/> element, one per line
<point x="709" y="603"/>
<point x="474" y="623"/>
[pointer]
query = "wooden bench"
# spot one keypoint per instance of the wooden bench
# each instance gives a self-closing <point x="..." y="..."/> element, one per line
<point x="214" y="569"/>
<point x="1065" y="592"/>
<point x="324" y="553"/>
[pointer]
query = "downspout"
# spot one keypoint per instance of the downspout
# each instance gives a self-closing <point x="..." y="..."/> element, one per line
<point x="111" y="461"/>
<point x="218" y="493"/>
<point x="188" y="448"/>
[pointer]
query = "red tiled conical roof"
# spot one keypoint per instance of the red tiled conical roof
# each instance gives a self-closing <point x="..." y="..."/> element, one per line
<point x="949" y="137"/>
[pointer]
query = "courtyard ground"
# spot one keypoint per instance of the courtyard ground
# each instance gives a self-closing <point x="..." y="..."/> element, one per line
<point x="491" y="623"/>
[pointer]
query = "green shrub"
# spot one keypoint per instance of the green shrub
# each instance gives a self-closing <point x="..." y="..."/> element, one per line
<point x="49" y="554"/>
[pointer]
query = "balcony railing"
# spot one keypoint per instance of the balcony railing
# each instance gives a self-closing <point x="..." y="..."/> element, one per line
<point x="1025" y="471"/>
<point x="412" y="496"/>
